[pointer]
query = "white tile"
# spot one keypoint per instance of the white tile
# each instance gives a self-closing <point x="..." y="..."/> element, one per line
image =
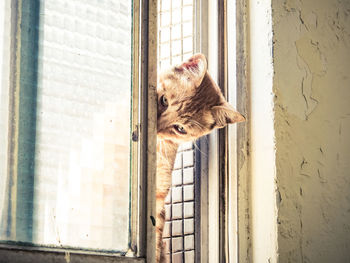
<point x="188" y="192"/>
<point x="188" y="209"/>
<point x="188" y="174"/>
<point x="188" y="158"/>
<point x="177" y="244"/>
<point x="176" y="228"/>
<point x="177" y="211"/>
<point x="176" y="194"/>
<point x="176" y="177"/>
<point x="189" y="226"/>
<point x="189" y="242"/>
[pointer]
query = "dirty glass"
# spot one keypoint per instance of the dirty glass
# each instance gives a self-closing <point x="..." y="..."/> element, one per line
<point x="65" y="171"/>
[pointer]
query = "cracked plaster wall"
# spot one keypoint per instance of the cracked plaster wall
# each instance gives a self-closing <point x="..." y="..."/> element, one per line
<point x="311" y="84"/>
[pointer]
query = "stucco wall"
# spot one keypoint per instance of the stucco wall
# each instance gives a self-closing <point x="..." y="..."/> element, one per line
<point x="311" y="84"/>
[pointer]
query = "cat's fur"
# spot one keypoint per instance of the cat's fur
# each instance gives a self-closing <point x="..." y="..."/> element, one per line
<point x="190" y="105"/>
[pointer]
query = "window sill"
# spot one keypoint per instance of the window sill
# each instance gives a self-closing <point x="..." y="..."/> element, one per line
<point x="28" y="254"/>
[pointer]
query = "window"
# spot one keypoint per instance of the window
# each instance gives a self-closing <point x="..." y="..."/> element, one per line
<point x="78" y="131"/>
<point x="76" y="145"/>
<point x="227" y="200"/>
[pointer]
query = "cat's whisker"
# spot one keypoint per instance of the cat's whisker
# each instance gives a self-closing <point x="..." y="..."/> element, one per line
<point x="196" y="147"/>
<point x="162" y="149"/>
<point x="206" y="138"/>
<point x="196" y="123"/>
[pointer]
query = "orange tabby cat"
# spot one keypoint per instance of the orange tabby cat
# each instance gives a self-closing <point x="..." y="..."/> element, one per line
<point x="190" y="105"/>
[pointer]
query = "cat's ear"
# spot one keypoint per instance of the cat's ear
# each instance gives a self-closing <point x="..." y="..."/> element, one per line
<point x="225" y="114"/>
<point x="197" y="67"/>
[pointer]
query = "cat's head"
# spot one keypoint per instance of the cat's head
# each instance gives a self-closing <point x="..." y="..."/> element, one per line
<point x="190" y="104"/>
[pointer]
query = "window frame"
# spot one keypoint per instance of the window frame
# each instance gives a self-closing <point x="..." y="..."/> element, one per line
<point x="144" y="80"/>
<point x="242" y="180"/>
<point x="238" y="241"/>
<point x="224" y="163"/>
<point x="144" y="133"/>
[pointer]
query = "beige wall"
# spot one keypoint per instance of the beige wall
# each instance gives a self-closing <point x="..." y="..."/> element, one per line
<point x="299" y="123"/>
<point x="311" y="84"/>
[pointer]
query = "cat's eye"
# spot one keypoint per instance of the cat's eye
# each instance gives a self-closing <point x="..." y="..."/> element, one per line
<point x="163" y="101"/>
<point x="180" y="129"/>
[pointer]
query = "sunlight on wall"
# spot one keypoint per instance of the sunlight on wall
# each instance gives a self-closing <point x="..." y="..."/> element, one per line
<point x="262" y="145"/>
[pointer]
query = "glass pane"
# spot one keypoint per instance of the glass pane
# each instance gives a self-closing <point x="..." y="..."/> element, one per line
<point x="80" y="185"/>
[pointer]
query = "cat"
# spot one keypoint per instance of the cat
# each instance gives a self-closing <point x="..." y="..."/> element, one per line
<point x="190" y="105"/>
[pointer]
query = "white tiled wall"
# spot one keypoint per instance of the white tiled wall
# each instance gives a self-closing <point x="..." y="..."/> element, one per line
<point x="176" y="45"/>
